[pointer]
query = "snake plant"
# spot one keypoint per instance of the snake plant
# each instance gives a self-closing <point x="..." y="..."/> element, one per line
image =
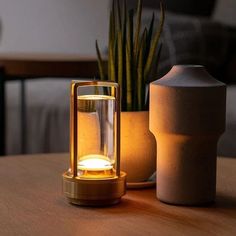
<point x="132" y="57"/>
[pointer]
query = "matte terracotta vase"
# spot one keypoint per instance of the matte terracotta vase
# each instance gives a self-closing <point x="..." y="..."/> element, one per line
<point x="138" y="147"/>
<point x="187" y="117"/>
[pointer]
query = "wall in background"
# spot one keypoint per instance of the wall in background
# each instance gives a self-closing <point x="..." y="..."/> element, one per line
<point x="225" y="12"/>
<point x="56" y="26"/>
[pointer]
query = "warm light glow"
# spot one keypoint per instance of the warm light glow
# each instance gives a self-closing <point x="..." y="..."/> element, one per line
<point x="95" y="97"/>
<point x="94" y="162"/>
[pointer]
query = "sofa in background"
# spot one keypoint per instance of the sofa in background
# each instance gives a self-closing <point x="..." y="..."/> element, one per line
<point x="47" y="115"/>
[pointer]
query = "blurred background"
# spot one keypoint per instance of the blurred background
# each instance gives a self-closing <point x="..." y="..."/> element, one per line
<point x="56" y="26"/>
<point x="72" y="26"/>
<point x="195" y="32"/>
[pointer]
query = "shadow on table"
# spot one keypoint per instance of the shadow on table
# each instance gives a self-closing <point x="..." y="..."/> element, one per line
<point x="224" y="201"/>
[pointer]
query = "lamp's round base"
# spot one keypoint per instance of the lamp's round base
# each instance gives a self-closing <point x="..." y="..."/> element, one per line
<point x="94" y="192"/>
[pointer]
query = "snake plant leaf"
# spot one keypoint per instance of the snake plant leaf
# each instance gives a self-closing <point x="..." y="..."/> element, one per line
<point x="143" y="44"/>
<point x="140" y="70"/>
<point x="153" y="74"/>
<point x="113" y="60"/>
<point x="100" y="62"/>
<point x="154" y="43"/>
<point x="113" y="10"/>
<point x="116" y="57"/>
<point x="128" y="80"/>
<point x="149" y="36"/>
<point x="110" y="41"/>
<point x="114" y="24"/>
<point x="120" y="61"/>
<point x="138" y="25"/>
<point x="129" y="61"/>
<point x="130" y="30"/>
<point x="124" y="32"/>
<point x="112" y="46"/>
<point x="124" y="13"/>
<point x="119" y="15"/>
<point x="124" y="27"/>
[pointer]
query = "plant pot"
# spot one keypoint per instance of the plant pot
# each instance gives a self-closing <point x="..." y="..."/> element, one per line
<point x="187" y="117"/>
<point x="138" y="146"/>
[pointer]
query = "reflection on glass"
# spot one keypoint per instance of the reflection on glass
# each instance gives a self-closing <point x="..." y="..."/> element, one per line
<point x="96" y="114"/>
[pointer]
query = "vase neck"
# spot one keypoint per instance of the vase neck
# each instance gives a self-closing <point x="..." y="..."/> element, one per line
<point x="188" y="76"/>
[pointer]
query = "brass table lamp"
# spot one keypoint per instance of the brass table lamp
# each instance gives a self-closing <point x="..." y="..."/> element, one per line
<point x="94" y="177"/>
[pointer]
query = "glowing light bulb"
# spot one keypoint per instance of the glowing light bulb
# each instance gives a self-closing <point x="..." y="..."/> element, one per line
<point x="94" y="162"/>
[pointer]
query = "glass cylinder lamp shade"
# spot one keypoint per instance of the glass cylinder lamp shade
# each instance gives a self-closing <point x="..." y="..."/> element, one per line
<point x="94" y="176"/>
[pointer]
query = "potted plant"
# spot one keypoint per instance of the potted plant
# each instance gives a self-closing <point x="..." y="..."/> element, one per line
<point x="132" y="62"/>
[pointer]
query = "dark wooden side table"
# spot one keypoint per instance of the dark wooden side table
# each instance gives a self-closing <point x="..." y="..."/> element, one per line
<point x="32" y="203"/>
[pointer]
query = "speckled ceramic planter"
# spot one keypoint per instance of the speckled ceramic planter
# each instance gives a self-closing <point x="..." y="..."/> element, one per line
<point x="138" y="147"/>
<point x="187" y="117"/>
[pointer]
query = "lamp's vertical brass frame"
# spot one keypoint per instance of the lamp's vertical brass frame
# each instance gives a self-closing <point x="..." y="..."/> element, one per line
<point x="73" y="128"/>
<point x="96" y="192"/>
<point x="115" y="92"/>
<point x="118" y="108"/>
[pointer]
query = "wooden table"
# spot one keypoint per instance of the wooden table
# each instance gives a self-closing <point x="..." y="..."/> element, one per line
<point x="32" y="203"/>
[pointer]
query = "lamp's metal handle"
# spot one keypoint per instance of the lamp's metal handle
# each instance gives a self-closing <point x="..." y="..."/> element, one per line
<point x="115" y="92"/>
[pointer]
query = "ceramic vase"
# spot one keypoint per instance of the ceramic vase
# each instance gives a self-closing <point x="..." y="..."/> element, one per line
<point x="138" y="147"/>
<point x="187" y="117"/>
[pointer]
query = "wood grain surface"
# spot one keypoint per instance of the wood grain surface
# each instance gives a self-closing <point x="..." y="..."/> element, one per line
<point x="48" y="65"/>
<point x="32" y="203"/>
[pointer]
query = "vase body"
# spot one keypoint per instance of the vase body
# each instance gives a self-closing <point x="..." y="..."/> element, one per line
<point x="138" y="146"/>
<point x="187" y="117"/>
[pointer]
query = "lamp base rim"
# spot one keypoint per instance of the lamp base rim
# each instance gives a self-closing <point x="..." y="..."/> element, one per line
<point x="95" y="192"/>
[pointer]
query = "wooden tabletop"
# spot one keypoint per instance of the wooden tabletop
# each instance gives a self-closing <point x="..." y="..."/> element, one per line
<point x="32" y="203"/>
